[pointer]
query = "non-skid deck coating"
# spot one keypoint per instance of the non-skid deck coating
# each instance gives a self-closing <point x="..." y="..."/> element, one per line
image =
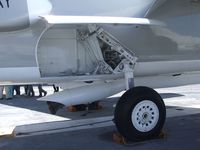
<point x="69" y="130"/>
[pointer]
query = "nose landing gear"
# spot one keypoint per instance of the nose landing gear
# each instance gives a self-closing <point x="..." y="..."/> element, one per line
<point x="140" y="114"/>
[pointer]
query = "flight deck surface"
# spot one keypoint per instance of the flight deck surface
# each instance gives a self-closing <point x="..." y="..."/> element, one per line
<point x="33" y="127"/>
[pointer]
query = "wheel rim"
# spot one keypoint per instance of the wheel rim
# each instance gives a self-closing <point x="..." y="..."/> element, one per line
<point x="145" y="116"/>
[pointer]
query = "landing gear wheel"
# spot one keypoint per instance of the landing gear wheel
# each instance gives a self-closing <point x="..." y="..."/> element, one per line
<point x="140" y="114"/>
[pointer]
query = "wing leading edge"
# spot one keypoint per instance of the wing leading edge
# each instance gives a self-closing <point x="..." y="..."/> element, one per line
<point x="51" y="19"/>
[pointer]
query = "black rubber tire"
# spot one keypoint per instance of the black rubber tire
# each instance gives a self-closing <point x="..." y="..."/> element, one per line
<point x="125" y="106"/>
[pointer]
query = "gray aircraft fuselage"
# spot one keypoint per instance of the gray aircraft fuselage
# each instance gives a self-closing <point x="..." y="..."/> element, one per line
<point x="169" y="49"/>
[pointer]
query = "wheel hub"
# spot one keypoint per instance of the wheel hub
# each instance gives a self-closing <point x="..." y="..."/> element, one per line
<point x="145" y="116"/>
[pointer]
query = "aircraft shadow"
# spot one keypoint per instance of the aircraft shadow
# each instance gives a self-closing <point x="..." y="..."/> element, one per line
<point x="170" y="95"/>
<point x="108" y="106"/>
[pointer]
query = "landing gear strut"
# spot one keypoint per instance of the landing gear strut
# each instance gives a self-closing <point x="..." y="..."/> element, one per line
<point x="140" y="114"/>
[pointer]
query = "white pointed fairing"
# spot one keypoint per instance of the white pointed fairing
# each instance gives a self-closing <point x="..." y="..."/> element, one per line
<point x="51" y="19"/>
